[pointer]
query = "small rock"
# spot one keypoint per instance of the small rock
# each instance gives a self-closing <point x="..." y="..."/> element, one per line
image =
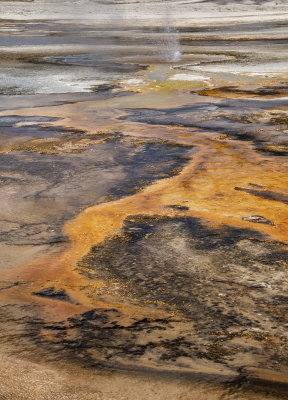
<point x="258" y="219"/>
<point x="105" y="87"/>
<point x="177" y="207"/>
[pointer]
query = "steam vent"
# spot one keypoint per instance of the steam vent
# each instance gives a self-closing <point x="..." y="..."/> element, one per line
<point x="144" y="200"/>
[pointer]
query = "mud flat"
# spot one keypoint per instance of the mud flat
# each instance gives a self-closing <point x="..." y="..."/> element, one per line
<point x="144" y="199"/>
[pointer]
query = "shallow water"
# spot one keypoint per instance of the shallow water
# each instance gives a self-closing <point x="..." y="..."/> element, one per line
<point x="143" y="217"/>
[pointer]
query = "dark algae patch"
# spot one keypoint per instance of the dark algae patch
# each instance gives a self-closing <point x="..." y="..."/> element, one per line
<point x="65" y="174"/>
<point x="221" y="290"/>
<point x="265" y="194"/>
<point x="53" y="293"/>
<point x="235" y="91"/>
<point x="241" y="119"/>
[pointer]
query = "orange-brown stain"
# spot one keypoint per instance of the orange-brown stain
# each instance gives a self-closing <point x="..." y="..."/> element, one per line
<point x="206" y="185"/>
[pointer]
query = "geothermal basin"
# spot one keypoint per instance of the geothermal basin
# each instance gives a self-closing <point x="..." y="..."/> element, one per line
<point x="144" y="200"/>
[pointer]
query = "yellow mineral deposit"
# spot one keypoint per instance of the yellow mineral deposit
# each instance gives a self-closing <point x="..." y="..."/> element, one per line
<point x="206" y="186"/>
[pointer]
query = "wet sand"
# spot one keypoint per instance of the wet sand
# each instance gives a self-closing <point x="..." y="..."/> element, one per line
<point x="144" y="201"/>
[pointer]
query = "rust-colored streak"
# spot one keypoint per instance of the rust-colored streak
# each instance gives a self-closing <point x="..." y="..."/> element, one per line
<point x="206" y="186"/>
